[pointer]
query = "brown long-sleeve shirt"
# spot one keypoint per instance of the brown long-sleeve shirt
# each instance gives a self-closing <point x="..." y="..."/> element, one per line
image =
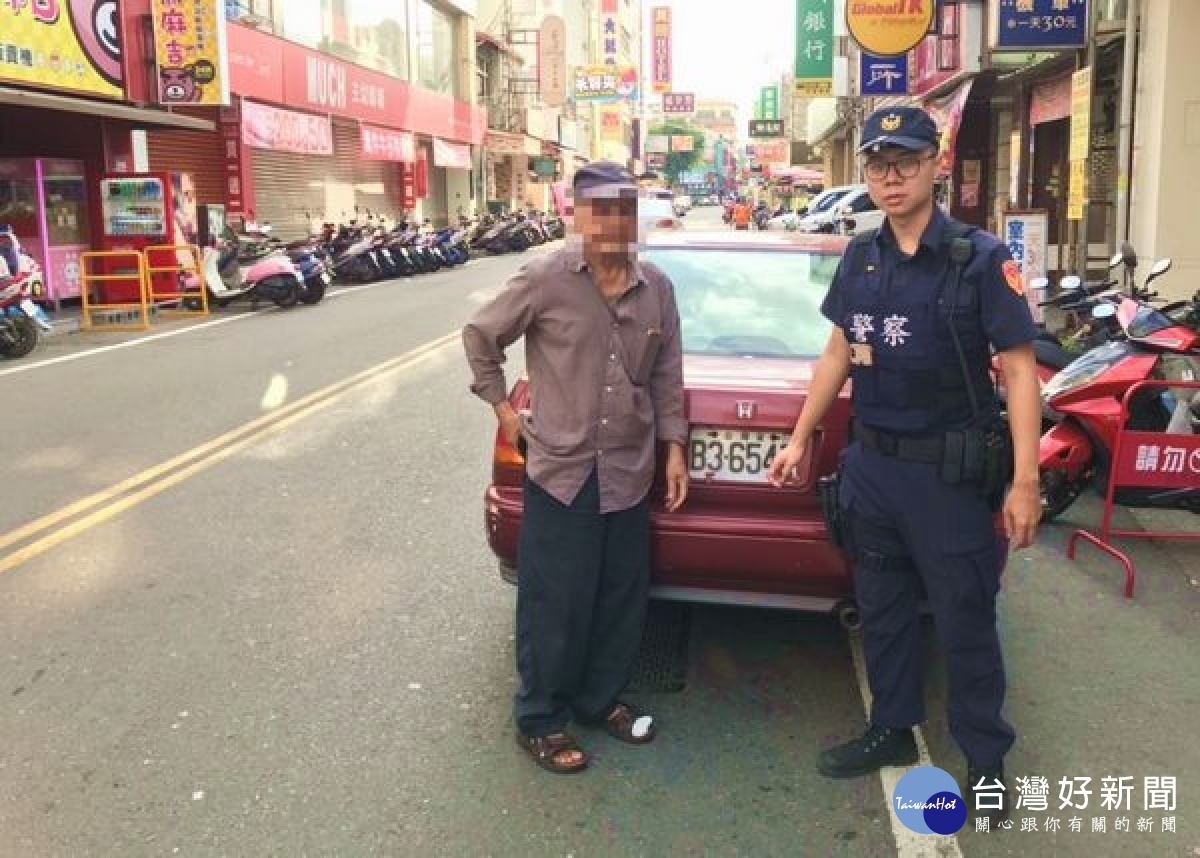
<point x="606" y="379"/>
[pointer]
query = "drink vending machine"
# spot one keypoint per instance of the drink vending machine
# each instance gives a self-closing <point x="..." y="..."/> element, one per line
<point x="143" y="210"/>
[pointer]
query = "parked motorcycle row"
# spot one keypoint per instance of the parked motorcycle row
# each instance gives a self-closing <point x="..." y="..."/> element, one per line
<point x="1123" y="339"/>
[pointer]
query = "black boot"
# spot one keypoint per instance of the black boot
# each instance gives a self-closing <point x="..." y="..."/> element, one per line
<point x="987" y="792"/>
<point x="876" y="748"/>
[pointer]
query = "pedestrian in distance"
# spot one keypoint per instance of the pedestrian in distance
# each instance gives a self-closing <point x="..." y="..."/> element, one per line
<point x="917" y="306"/>
<point x="605" y="365"/>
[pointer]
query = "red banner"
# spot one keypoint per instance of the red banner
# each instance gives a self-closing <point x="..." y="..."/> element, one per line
<point x="270" y="69"/>
<point x="1159" y="460"/>
<point x="384" y="144"/>
<point x="421" y="185"/>
<point x="239" y="187"/>
<point x="408" y="186"/>
<point x="456" y="156"/>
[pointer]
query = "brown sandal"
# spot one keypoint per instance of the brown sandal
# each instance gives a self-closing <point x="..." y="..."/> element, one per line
<point x="629" y="725"/>
<point x="546" y="752"/>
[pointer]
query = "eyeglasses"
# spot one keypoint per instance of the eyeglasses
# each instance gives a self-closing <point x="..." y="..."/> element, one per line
<point x="906" y="166"/>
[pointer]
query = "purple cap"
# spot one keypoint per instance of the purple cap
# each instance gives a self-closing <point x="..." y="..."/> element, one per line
<point x="600" y="179"/>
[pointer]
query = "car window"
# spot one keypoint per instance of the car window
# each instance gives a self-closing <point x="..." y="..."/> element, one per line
<point x="862" y="203"/>
<point x="761" y="303"/>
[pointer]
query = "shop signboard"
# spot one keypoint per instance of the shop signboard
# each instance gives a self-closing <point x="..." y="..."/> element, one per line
<point x="683" y="143"/>
<point x="387" y="144"/>
<point x="889" y="28"/>
<point x="768" y="99"/>
<point x="767" y="128"/>
<point x="189" y="52"/>
<point x="608" y="31"/>
<point x="882" y="75"/>
<point x="456" y="156"/>
<point x="552" y="61"/>
<point x="59" y="45"/>
<point x="813" y="66"/>
<point x="239" y="186"/>
<point x="605" y="83"/>
<point x="265" y="127"/>
<point x="1081" y="114"/>
<point x="657" y="143"/>
<point x="1024" y="232"/>
<point x="679" y="103"/>
<point x="1041" y="25"/>
<point x="661" y="49"/>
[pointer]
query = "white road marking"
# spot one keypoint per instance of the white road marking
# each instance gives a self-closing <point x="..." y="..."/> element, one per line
<point x="276" y="392"/>
<point x="909" y="844"/>
<point x="212" y="323"/>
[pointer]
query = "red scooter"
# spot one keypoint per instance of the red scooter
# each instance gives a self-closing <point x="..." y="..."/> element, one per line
<point x="1086" y="398"/>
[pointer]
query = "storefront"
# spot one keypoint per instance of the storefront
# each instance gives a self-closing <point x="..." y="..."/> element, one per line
<point x="310" y="138"/>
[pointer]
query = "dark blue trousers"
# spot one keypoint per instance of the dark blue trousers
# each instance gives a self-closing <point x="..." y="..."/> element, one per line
<point x="914" y="532"/>
<point x="582" y="584"/>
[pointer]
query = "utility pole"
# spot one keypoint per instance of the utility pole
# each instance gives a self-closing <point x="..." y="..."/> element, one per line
<point x="1125" y="138"/>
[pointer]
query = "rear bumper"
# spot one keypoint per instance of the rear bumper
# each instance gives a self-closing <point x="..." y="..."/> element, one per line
<point x="767" y="562"/>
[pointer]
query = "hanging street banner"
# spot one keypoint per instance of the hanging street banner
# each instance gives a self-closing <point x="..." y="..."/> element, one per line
<point x="767" y="128"/>
<point x="605" y="83"/>
<point x="1081" y="114"/>
<point x="890" y="28"/>
<point x="190" y="52"/>
<point x="882" y="75"/>
<point x="65" y="46"/>
<point x="1024" y="25"/>
<point x="552" y="61"/>
<point x="813" y="67"/>
<point x="608" y="31"/>
<point x="768" y="98"/>
<point x="661" y="50"/>
<point x="679" y="102"/>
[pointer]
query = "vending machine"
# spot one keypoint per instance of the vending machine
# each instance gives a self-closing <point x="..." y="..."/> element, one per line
<point x="143" y="210"/>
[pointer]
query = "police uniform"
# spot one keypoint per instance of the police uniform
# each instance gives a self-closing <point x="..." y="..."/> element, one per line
<point x="917" y="526"/>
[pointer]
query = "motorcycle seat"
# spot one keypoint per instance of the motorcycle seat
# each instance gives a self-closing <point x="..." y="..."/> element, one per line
<point x="1050" y="353"/>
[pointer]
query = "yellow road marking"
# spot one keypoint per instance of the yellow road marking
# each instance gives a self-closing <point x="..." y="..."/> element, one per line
<point x="154" y="480"/>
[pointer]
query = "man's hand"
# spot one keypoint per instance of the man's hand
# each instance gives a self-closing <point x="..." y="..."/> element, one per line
<point x="510" y="423"/>
<point x="1022" y="512"/>
<point x="677" y="477"/>
<point x="783" y="466"/>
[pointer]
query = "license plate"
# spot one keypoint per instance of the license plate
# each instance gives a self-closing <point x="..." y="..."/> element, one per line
<point x="30" y="308"/>
<point x="733" y="455"/>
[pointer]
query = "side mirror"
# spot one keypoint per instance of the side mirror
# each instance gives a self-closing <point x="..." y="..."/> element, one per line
<point x="1160" y="268"/>
<point x="1068" y="283"/>
<point x="1040" y="284"/>
<point x="1128" y="256"/>
<point x="1115" y="260"/>
<point x="848" y="225"/>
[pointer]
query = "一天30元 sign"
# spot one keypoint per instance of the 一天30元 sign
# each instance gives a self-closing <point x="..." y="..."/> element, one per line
<point x="1041" y="24"/>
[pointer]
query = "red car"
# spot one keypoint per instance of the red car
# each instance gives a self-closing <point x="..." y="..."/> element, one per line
<point x="752" y="330"/>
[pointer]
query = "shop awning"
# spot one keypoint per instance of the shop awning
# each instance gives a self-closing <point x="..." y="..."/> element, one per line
<point x="947" y="112"/>
<point x="144" y="117"/>
<point x="456" y="156"/>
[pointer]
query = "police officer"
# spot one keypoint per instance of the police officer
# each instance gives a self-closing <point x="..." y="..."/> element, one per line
<point x="917" y="307"/>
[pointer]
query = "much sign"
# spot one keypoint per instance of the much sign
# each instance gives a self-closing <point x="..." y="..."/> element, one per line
<point x="1041" y="24"/>
<point x="71" y="46"/>
<point x="662" y="49"/>
<point x="889" y="28"/>
<point x="605" y="83"/>
<point x="813" y="67"/>
<point x="189" y="50"/>
<point x="679" y="102"/>
<point x="766" y="128"/>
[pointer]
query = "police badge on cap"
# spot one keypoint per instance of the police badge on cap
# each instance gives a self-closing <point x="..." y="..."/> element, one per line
<point x="900" y="127"/>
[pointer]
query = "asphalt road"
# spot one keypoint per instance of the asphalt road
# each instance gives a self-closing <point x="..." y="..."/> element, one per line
<point x="294" y="641"/>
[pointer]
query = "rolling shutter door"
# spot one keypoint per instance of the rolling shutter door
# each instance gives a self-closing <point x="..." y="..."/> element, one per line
<point x="197" y="152"/>
<point x="286" y="187"/>
<point x="373" y="185"/>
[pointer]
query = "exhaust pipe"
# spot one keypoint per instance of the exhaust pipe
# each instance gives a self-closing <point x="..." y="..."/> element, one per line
<point x="847" y="615"/>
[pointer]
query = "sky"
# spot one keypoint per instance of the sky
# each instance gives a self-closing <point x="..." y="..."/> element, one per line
<point x="726" y="48"/>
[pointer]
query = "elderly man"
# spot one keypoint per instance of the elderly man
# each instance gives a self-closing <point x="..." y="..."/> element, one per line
<point x="604" y="359"/>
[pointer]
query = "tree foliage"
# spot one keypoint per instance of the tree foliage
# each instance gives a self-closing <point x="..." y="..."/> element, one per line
<point x="680" y="162"/>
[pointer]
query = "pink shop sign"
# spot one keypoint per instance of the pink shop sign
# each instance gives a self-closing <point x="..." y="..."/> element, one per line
<point x="384" y="144"/>
<point x="266" y="127"/>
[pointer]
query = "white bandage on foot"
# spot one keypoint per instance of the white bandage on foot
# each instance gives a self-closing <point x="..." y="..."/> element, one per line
<point x="641" y="726"/>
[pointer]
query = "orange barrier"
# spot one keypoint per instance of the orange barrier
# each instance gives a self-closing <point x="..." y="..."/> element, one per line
<point x="102" y="269"/>
<point x="167" y="270"/>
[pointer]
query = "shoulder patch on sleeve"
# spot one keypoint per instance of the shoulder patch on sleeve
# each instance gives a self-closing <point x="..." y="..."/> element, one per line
<point x="1012" y="276"/>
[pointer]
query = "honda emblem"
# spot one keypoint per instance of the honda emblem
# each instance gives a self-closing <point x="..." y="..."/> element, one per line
<point x="745" y="409"/>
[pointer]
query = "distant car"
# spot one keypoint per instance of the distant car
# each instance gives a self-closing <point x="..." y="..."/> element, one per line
<point x="751" y="333"/>
<point x="856" y="212"/>
<point x="657" y="212"/>
<point x="822" y="213"/>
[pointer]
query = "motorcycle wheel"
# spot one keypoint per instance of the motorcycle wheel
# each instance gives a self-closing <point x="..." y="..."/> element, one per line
<point x="1058" y="493"/>
<point x="289" y="297"/>
<point x="314" y="291"/>
<point x="26" y="334"/>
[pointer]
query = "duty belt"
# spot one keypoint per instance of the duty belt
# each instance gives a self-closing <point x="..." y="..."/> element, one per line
<point x="927" y="449"/>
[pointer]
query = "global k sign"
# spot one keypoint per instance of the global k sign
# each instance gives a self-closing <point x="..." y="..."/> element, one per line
<point x="889" y="28"/>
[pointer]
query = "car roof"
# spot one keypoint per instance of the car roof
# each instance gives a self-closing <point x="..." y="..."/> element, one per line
<point x="763" y="240"/>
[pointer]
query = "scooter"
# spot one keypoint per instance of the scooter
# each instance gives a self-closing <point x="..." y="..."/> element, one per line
<point x="232" y="271"/>
<point x="20" y="318"/>
<point x="1086" y="397"/>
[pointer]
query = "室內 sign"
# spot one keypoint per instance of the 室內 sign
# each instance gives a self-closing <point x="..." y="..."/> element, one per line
<point x="889" y="28"/>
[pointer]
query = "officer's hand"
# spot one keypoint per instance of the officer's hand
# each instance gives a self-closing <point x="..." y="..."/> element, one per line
<point x="783" y="466"/>
<point x="677" y="477"/>
<point x="1022" y="512"/>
